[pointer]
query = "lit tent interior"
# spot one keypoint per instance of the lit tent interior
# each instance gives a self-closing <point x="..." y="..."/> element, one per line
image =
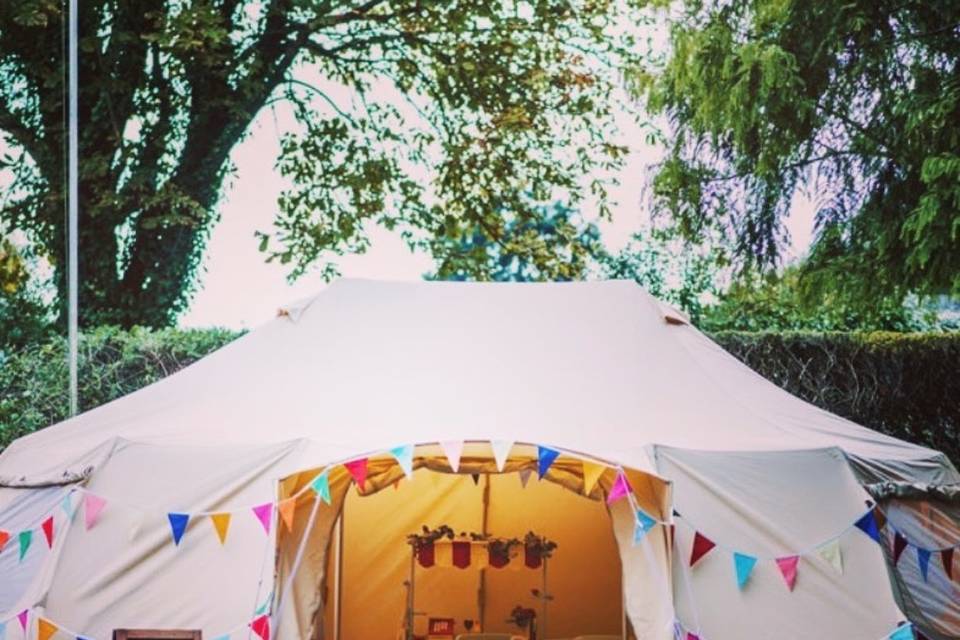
<point x="269" y="489"/>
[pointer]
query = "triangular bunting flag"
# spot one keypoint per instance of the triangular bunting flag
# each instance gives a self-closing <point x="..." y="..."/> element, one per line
<point x="642" y="526"/>
<point x="923" y="560"/>
<point x="4" y="536"/>
<point x="358" y="471"/>
<point x="701" y="547"/>
<point x="261" y="627"/>
<point x="66" y="505"/>
<point x="743" y="564"/>
<point x="404" y="456"/>
<point x="525" y="477"/>
<point x="92" y="506"/>
<point x="24" y="538"/>
<point x="899" y="544"/>
<point x="903" y="632"/>
<point x="591" y="474"/>
<point x="225" y="636"/>
<point x="221" y="524"/>
<point x="262" y="609"/>
<point x="476" y="478"/>
<point x="3" y="630"/>
<point x="287" y="509"/>
<point x="692" y="636"/>
<point x="501" y="451"/>
<point x="868" y="524"/>
<point x="321" y="485"/>
<point x="47" y="528"/>
<point x="45" y="629"/>
<point x="178" y="524"/>
<point x="264" y="513"/>
<point x="23" y="616"/>
<point x="619" y="489"/>
<point x="788" y="569"/>
<point x="396" y="484"/>
<point x="947" y="556"/>
<point x="453" y="449"/>
<point x="830" y="553"/>
<point x="545" y="458"/>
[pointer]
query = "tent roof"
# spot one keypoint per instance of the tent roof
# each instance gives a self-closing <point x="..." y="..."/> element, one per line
<point x="600" y="367"/>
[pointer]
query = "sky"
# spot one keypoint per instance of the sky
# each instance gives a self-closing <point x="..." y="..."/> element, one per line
<point x="239" y="290"/>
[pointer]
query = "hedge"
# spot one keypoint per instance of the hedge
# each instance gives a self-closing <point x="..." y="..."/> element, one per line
<point x="906" y="385"/>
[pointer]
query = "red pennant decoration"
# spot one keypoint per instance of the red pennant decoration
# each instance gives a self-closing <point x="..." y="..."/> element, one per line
<point x="358" y="471"/>
<point x="261" y="627"/>
<point x="4" y="536"/>
<point x="899" y="544"/>
<point x="47" y="527"/>
<point x="701" y="547"/>
<point x="947" y="556"/>
<point x="788" y="569"/>
<point x="426" y="555"/>
<point x="461" y="554"/>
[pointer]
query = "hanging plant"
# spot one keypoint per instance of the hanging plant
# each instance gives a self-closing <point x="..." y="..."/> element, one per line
<point x="538" y="547"/>
<point x="522" y="617"/>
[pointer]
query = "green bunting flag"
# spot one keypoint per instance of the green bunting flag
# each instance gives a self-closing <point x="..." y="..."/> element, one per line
<point x="25" y="538"/>
<point x="321" y="484"/>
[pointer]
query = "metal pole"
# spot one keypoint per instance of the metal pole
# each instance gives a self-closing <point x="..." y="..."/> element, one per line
<point x="72" y="208"/>
<point x="338" y="576"/>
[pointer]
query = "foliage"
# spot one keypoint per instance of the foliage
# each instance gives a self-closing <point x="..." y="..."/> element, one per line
<point x="857" y="102"/>
<point x="669" y="269"/>
<point x="905" y="385"/>
<point x="522" y="253"/>
<point x="24" y="316"/>
<point x="112" y="363"/>
<point x="457" y="112"/>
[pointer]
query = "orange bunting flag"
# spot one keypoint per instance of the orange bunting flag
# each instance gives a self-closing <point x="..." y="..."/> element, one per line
<point x="358" y="471"/>
<point x="47" y="527"/>
<point x="45" y="629"/>
<point x="261" y="627"/>
<point x="221" y="524"/>
<point x="591" y="475"/>
<point x="287" y="510"/>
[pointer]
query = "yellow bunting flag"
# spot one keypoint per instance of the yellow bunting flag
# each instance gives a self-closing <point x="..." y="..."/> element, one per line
<point x="830" y="553"/>
<point x="287" y="510"/>
<point x="591" y="474"/>
<point x="221" y="522"/>
<point x="45" y="629"/>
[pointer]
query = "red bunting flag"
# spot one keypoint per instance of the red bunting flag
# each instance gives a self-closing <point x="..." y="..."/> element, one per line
<point x="899" y="544"/>
<point x="701" y="547"/>
<point x="47" y="527"/>
<point x="788" y="569"/>
<point x="4" y="536"/>
<point x="427" y="555"/>
<point x="947" y="556"/>
<point x="358" y="471"/>
<point x="261" y="627"/>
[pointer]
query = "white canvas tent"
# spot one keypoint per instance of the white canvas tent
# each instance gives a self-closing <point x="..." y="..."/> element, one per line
<point x="601" y="371"/>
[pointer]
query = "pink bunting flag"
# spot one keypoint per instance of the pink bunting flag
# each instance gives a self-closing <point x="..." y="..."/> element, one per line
<point x="788" y="569"/>
<point x="22" y="617"/>
<point x="525" y="476"/>
<point x="692" y="636"/>
<point x="92" y="506"/>
<point x="264" y="513"/>
<point x="47" y="527"/>
<point x="619" y="489"/>
<point x="358" y="471"/>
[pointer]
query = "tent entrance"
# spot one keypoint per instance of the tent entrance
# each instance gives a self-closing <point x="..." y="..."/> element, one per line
<point x="378" y="598"/>
<point x="362" y="579"/>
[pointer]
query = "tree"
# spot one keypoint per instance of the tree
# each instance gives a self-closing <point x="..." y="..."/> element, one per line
<point x="855" y="102"/>
<point x="457" y="112"/>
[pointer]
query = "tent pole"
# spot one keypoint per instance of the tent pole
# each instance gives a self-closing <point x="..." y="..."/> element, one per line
<point x="482" y="595"/>
<point x="337" y="577"/>
<point x="72" y="208"/>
